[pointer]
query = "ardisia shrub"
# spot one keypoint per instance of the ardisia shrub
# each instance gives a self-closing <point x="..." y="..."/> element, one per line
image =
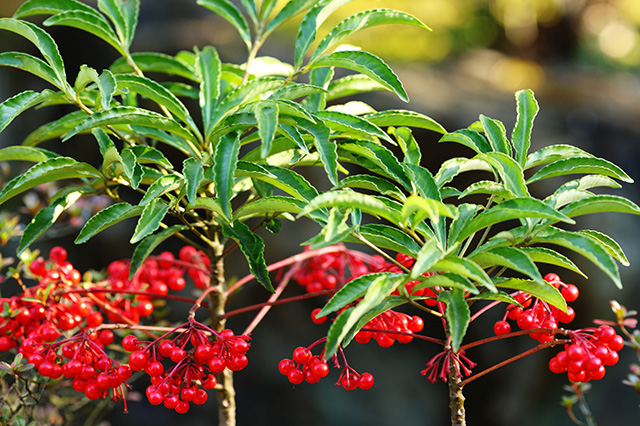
<point x="213" y="153"/>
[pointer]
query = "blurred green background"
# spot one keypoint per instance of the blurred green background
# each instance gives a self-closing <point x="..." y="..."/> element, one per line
<point x="581" y="57"/>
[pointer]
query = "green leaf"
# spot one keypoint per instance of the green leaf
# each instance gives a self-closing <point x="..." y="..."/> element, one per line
<point x="210" y="204"/>
<point x="496" y="135"/>
<point x="508" y="170"/>
<point x="106" y="85"/>
<point x="372" y="183"/>
<point x="320" y="77"/>
<point x="327" y="150"/>
<point x="154" y="62"/>
<point x="170" y="139"/>
<point x="398" y="117"/>
<point x="423" y="181"/>
<point x="225" y="162"/>
<point x="46" y="7"/>
<point x="570" y="166"/>
<point x="347" y="199"/>
<point x="428" y="256"/>
<point x="129" y="10"/>
<point x="551" y="257"/>
<point x="487" y="187"/>
<point x="352" y="124"/>
<point x="91" y="22"/>
<point x="290" y="9"/>
<point x="466" y="213"/>
<point x="193" y="174"/>
<point x="457" y="314"/>
<point x="362" y="20"/>
<point x="446" y="280"/>
<point x="50" y="170"/>
<point x="146" y="246"/>
<point x="243" y="95"/>
<point x="527" y="108"/>
<point x="54" y="129"/>
<point x="46" y="217"/>
<point x="295" y="90"/>
<point x="469" y="138"/>
<point x="43" y="41"/>
<point x="608" y="243"/>
<point x="16" y="105"/>
<point x="134" y="116"/>
<point x="454" y="166"/>
<point x="252" y="247"/>
<point x="552" y="153"/>
<point x="365" y="63"/>
<point x="509" y="257"/>
<point x="467" y="268"/>
<point x="210" y="69"/>
<point x="106" y="218"/>
<point x="29" y="63"/>
<point x="585" y="245"/>
<point x="149" y="222"/>
<point x="266" y="113"/>
<point x="310" y="24"/>
<point x="158" y="94"/>
<point x="149" y="155"/>
<point x="350" y="85"/>
<point x="294" y="135"/>
<point x="287" y="180"/>
<point x="25" y="153"/>
<point x="515" y="208"/>
<point x="250" y="8"/>
<point x="542" y="290"/>
<point x="335" y="231"/>
<point x="379" y="156"/>
<point x="112" y="9"/>
<point x="427" y="207"/>
<point x="231" y="14"/>
<point x="600" y="204"/>
<point x="388" y="237"/>
<point x="159" y="187"/>
<point x="267" y="206"/>
<point x="357" y="288"/>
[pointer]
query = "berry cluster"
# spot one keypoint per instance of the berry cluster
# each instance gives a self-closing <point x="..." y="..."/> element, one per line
<point x="304" y="366"/>
<point x="533" y="313"/>
<point x="183" y="368"/>
<point x="92" y="371"/>
<point x="587" y="354"/>
<point x="389" y="327"/>
<point x="331" y="271"/>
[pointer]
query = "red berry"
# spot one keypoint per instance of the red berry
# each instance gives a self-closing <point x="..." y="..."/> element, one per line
<point x="182" y="407"/>
<point x="296" y="376"/>
<point x="349" y="382"/>
<point x="58" y="255"/>
<point x="366" y="381"/>
<point x="315" y="318"/>
<point x="130" y="343"/>
<point x="137" y="360"/>
<point x="570" y="292"/>
<point x="616" y="343"/>
<point x="92" y="390"/>
<point x="285" y="366"/>
<point x="301" y="355"/>
<point x="501" y="328"/>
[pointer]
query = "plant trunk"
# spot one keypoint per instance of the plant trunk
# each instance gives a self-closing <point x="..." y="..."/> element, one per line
<point x="217" y="301"/>
<point x="456" y="399"/>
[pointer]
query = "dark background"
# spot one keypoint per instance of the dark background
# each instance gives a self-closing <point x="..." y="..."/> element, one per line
<point x="581" y="58"/>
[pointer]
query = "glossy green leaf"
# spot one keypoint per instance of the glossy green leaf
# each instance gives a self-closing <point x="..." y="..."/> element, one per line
<point x="446" y="280"/>
<point x="170" y="139"/>
<point x="294" y="135"/>
<point x="427" y="207"/>
<point x="105" y="83"/>
<point x="266" y="113"/>
<point x="352" y="123"/>
<point x="466" y="213"/>
<point x="210" y="204"/>
<point x="252" y="247"/>
<point x="495" y="132"/>
<point x="50" y="170"/>
<point x="409" y="146"/>
<point x="580" y="165"/>
<point x="398" y="117"/>
<point x="210" y="70"/>
<point x="372" y="183"/>
<point x="364" y="63"/>
<point x="158" y="94"/>
<point x="231" y="14"/>
<point x="129" y="10"/>
<point x="362" y="20"/>
<point x="542" y="290"/>
<point x="347" y="199"/>
<point x="327" y="150"/>
<point x="600" y="204"/>
<point x="225" y="162"/>
<point x="244" y="94"/>
<point x="295" y="90"/>
<point x="357" y="288"/>
<point x="149" y="222"/>
<point x="551" y="257"/>
<point x="428" y="256"/>
<point x="43" y="41"/>
<point x="290" y="9"/>
<point x="508" y="170"/>
<point x="509" y="257"/>
<point x="25" y="153"/>
<point x="389" y="237"/>
<point x="453" y="167"/>
<point x="134" y="116"/>
<point x="552" y="153"/>
<point x="106" y="218"/>
<point x="334" y="231"/>
<point x="310" y="24"/>
<point x="469" y="138"/>
<point x="457" y="314"/>
<point x="527" y="108"/>
<point x="486" y="187"/>
<point x="46" y="7"/>
<point x="54" y="129"/>
<point x="154" y="62"/>
<point x="380" y="156"/>
<point x="29" y="63"/>
<point x="146" y="246"/>
<point x="46" y="217"/>
<point x="267" y="206"/>
<point x="515" y="208"/>
<point x="250" y="8"/>
<point x="287" y="180"/>
<point x="585" y="245"/>
<point x="320" y="77"/>
<point x="160" y="187"/>
<point x="350" y="85"/>
<point x="467" y="268"/>
<point x="608" y="243"/>
<point x="93" y="23"/>
<point x="193" y="174"/>
<point x="423" y="181"/>
<point x="16" y="105"/>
